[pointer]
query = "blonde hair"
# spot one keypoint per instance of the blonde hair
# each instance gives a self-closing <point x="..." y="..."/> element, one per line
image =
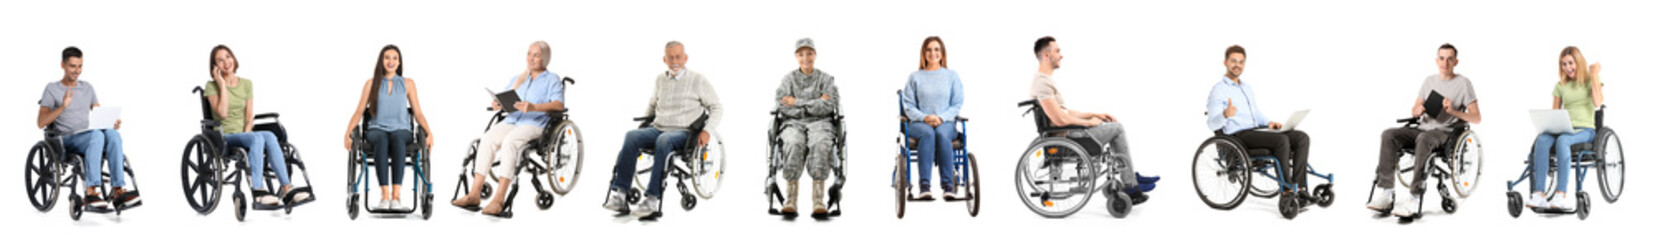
<point x="1580" y="66"/>
<point x="545" y="53"/>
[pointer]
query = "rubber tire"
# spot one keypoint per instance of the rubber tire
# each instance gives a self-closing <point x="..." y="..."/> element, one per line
<point x="1514" y="204"/>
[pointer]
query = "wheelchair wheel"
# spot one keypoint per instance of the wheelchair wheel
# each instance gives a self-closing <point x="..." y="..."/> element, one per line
<point x="708" y="167"/>
<point x="202" y="175"/>
<point x="1467" y="163"/>
<point x="1055" y="178"/>
<point x="974" y="188"/>
<point x="40" y="177"/>
<point x="1323" y="194"/>
<point x="1120" y="204"/>
<point x="899" y="178"/>
<point x="1449" y="206"/>
<point x="543" y="200"/>
<point x="1221" y="172"/>
<point x="1289" y="205"/>
<point x="565" y="157"/>
<point x="241" y="207"/>
<point x="425" y="207"/>
<point x="76" y="207"/>
<point x="1583" y="205"/>
<point x="351" y="207"/>
<point x="1611" y="166"/>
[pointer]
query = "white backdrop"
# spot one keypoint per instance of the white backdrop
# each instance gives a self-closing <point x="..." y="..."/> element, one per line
<point x="1149" y="63"/>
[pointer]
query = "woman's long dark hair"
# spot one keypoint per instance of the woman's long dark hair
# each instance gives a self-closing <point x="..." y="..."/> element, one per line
<point x="379" y="72"/>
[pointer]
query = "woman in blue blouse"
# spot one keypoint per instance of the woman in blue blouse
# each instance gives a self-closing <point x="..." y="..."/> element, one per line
<point x="387" y="94"/>
<point x="931" y="102"/>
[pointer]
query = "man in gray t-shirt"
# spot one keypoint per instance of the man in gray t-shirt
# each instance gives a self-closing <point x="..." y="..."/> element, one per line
<point x="65" y="107"/>
<point x="1459" y="106"/>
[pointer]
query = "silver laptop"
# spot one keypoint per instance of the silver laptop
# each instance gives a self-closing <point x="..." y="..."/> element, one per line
<point x="1551" y="121"/>
<point x="1291" y="122"/>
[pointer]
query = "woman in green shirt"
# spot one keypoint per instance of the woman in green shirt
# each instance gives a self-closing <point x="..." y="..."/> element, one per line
<point x="232" y="100"/>
<point x="1580" y="92"/>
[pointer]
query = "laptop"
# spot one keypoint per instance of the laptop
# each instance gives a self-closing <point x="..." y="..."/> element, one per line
<point x="1551" y="121"/>
<point x="1291" y="122"/>
<point x="102" y="118"/>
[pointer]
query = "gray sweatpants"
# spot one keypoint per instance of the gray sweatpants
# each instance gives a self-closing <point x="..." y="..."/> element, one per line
<point x="1394" y="140"/>
<point x="1114" y="135"/>
<point x="807" y="143"/>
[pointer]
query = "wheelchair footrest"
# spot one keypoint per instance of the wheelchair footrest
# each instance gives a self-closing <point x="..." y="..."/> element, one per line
<point x="390" y="211"/>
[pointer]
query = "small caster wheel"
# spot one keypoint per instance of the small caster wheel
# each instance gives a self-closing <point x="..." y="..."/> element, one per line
<point x="76" y="207"/>
<point x="1324" y="195"/>
<point x="1119" y="204"/>
<point x="1514" y="204"/>
<point x="1289" y="206"/>
<point x="1583" y="205"/>
<point x="351" y="206"/>
<point x="425" y="207"/>
<point x="634" y="196"/>
<point x="241" y="207"/>
<point x="688" y="202"/>
<point x="543" y="201"/>
<point x="1448" y="205"/>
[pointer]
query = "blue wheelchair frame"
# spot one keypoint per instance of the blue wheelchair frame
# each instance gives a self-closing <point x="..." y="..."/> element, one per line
<point x="419" y="161"/>
<point x="961" y="162"/>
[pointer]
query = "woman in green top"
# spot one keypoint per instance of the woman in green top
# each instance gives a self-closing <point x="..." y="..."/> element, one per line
<point x="232" y="100"/>
<point x="1580" y="92"/>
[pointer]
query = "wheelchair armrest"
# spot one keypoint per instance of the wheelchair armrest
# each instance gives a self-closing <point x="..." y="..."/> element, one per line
<point x="208" y="123"/>
<point x="266" y="115"/>
<point x="961" y="118"/>
<point x="1026" y="103"/>
<point x="644" y="121"/>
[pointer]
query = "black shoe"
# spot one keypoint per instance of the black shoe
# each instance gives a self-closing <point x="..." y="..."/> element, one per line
<point x="95" y="204"/>
<point x="1137" y="197"/>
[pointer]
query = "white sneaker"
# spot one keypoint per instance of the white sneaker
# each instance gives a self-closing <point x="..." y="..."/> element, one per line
<point x="397" y="205"/>
<point x="384" y="204"/>
<point x="616" y="202"/>
<point x="1561" y="202"/>
<point x="1536" y="200"/>
<point x="1382" y="200"/>
<point x="647" y="207"/>
<point x="1407" y="206"/>
<point x="270" y="200"/>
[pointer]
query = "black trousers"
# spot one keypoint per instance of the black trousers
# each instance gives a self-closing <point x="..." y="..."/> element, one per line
<point x="1291" y="148"/>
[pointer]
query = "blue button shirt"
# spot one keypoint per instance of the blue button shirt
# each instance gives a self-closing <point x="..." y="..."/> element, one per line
<point x="543" y="88"/>
<point x="1247" y="114"/>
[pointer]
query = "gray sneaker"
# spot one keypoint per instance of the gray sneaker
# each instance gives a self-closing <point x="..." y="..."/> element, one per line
<point x="647" y="207"/>
<point x="616" y="202"/>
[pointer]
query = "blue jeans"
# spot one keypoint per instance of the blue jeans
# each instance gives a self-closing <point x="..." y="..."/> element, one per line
<point x="936" y="147"/>
<point x="636" y="140"/>
<point x="261" y="144"/>
<point x="390" y="147"/>
<point x="95" y="145"/>
<point x="1543" y="148"/>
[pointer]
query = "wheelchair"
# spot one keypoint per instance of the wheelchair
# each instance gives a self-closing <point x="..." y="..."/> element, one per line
<point x="553" y="160"/>
<point x="702" y="165"/>
<point x="51" y="166"/>
<point x="1062" y="168"/>
<point x="362" y="159"/>
<point x="1458" y="161"/>
<point x="1602" y="154"/>
<point x="964" y="163"/>
<point x="834" y="192"/>
<point x="1224" y="162"/>
<point x="208" y="164"/>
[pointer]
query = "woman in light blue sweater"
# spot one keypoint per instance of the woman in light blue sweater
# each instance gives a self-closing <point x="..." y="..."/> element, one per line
<point x="931" y="102"/>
